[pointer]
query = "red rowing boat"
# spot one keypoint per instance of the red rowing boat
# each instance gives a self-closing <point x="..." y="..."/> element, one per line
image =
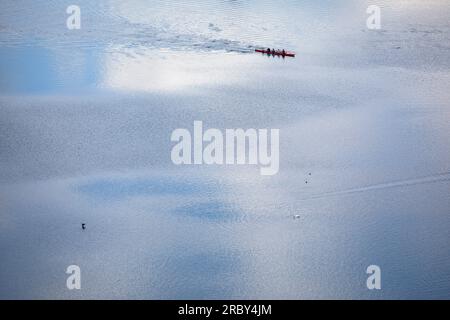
<point x="276" y="53"/>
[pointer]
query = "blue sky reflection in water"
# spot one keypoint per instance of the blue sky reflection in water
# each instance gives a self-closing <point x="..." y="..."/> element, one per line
<point x="85" y="124"/>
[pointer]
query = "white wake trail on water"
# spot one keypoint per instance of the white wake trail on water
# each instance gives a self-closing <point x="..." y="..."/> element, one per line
<point x="440" y="177"/>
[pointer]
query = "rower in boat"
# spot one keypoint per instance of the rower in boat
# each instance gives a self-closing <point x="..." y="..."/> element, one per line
<point x="283" y="53"/>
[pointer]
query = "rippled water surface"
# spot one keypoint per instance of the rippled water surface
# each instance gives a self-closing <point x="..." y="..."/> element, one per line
<point x="85" y="123"/>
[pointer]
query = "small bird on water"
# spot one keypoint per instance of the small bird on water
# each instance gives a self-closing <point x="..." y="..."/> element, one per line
<point x="83" y="226"/>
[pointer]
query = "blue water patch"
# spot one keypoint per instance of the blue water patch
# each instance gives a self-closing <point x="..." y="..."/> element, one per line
<point x="26" y="70"/>
<point x="214" y="210"/>
<point x="117" y="189"/>
<point x="38" y="70"/>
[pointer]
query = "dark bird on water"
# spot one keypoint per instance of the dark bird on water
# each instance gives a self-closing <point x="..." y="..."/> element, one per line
<point x="83" y="226"/>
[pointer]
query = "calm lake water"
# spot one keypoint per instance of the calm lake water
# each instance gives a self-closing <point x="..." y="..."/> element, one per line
<point x="85" y="123"/>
